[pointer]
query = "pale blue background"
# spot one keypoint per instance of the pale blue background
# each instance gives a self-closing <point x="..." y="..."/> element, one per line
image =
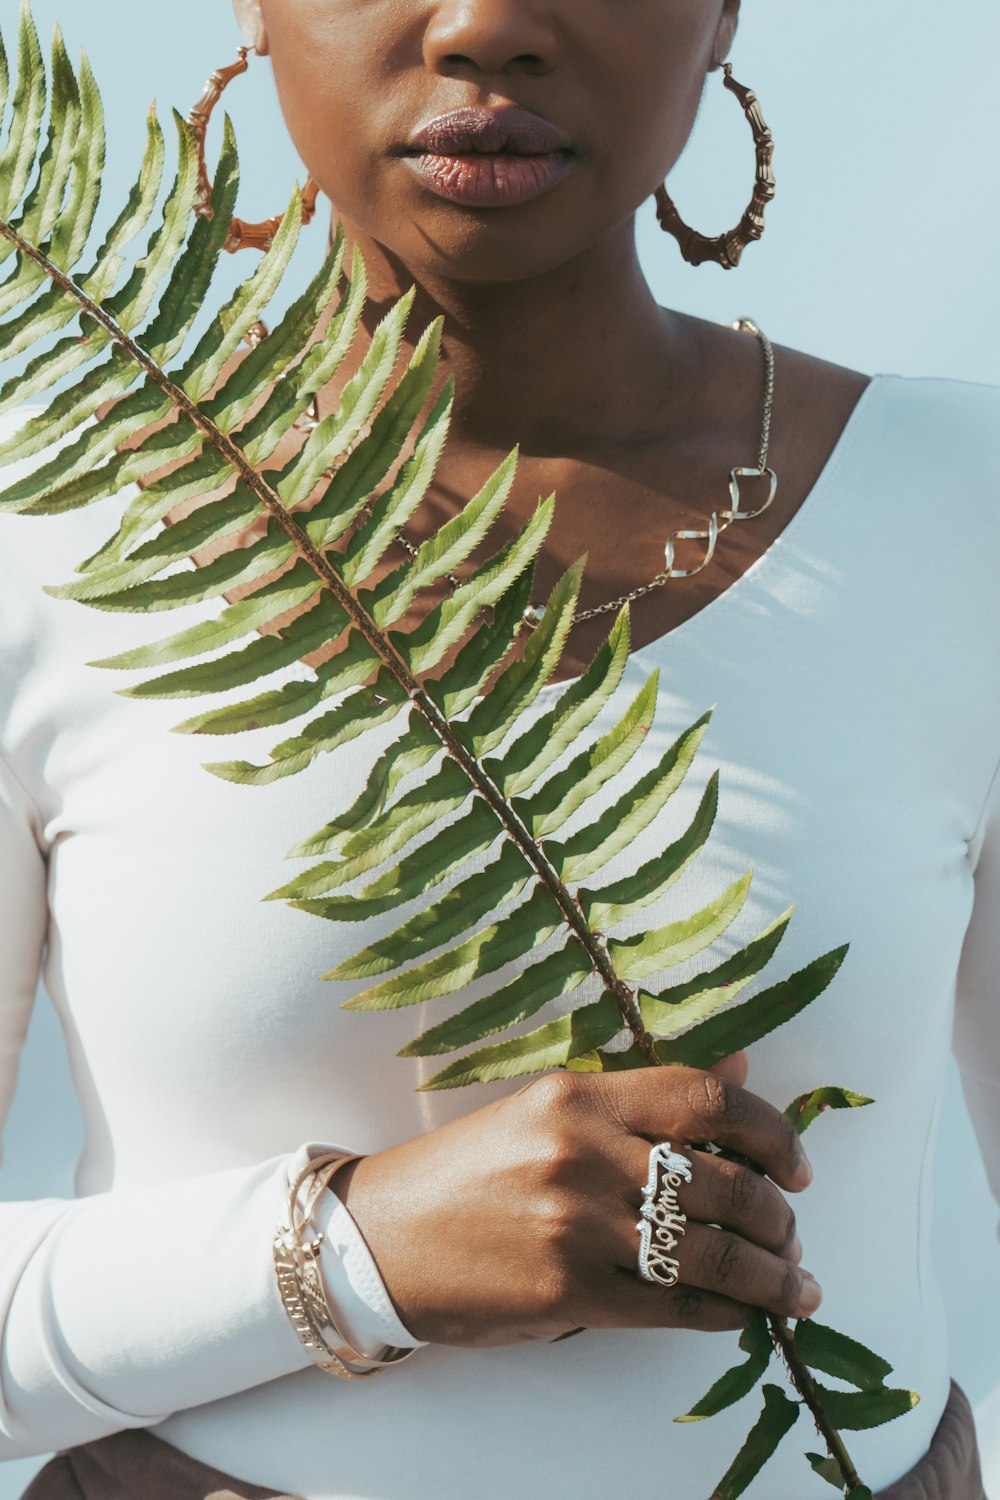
<point x="881" y="253"/>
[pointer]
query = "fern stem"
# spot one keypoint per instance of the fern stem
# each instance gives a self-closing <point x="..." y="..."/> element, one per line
<point x="801" y="1377"/>
<point x="535" y="856"/>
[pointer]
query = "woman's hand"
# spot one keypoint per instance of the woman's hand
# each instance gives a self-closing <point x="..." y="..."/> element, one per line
<point x="518" y="1222"/>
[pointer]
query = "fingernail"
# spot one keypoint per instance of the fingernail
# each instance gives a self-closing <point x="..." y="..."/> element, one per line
<point x="803" y="1173"/>
<point x="794" y="1252"/>
<point x="810" y="1296"/>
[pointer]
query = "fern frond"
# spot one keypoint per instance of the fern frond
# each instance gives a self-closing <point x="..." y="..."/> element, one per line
<point x="509" y="776"/>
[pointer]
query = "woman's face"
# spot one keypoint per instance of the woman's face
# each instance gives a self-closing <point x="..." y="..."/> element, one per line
<point x="617" y="81"/>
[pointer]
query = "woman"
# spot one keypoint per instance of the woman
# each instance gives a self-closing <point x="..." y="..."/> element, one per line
<point x="858" y="753"/>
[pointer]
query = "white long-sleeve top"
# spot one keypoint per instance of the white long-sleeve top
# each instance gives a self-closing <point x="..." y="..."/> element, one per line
<point x="854" y="674"/>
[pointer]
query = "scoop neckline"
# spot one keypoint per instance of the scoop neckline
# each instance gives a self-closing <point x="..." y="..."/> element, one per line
<point x="834" y="460"/>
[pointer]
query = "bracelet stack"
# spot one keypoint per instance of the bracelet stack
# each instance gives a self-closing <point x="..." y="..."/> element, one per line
<point x="301" y="1286"/>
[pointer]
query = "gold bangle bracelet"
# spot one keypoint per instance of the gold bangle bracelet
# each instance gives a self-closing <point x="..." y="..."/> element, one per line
<point x="301" y="1286"/>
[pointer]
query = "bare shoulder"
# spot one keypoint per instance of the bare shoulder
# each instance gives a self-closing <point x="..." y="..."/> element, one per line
<point x="814" y="398"/>
<point x="818" y="382"/>
<point x="814" y="402"/>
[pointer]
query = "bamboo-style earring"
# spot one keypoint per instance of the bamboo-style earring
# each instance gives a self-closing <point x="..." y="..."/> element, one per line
<point x="727" y="249"/>
<point x="243" y="236"/>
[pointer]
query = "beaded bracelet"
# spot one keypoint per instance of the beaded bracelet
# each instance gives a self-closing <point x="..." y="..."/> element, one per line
<point x="301" y="1286"/>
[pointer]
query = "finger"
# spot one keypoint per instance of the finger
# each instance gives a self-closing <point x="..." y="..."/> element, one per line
<point x="627" y="1302"/>
<point x="717" y="1261"/>
<point x="724" y="1193"/>
<point x="734" y="1069"/>
<point x="686" y="1104"/>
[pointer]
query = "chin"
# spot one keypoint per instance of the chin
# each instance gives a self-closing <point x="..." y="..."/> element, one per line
<point x="486" y="245"/>
<point x="479" y="254"/>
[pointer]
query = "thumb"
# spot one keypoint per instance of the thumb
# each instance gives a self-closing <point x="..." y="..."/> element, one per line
<point x="734" y="1069"/>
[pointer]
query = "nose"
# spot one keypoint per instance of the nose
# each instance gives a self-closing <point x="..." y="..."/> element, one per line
<point x="491" y="38"/>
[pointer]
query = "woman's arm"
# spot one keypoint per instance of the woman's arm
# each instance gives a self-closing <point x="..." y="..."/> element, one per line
<point x="977" y="1016"/>
<point x="119" y="1309"/>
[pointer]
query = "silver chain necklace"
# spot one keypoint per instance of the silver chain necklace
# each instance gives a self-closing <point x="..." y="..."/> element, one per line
<point x="719" y="522"/>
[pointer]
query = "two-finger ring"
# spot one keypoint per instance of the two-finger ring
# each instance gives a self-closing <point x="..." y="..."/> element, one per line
<point x="662" y="1222"/>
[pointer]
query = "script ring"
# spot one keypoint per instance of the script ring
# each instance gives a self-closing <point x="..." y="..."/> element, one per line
<point x="662" y="1224"/>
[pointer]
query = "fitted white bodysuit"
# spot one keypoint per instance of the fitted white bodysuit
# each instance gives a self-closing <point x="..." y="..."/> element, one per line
<point x="855" y="679"/>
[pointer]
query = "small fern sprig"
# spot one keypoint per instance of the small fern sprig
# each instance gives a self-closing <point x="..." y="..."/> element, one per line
<point x="467" y="810"/>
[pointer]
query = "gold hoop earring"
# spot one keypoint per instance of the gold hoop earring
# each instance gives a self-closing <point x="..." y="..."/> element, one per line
<point x="727" y="249"/>
<point x="242" y="236"/>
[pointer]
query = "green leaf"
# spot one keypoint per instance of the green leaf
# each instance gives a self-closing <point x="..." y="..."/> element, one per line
<point x="410" y="753"/>
<point x="270" y="365"/>
<point x="551" y="1046"/>
<point x="540" y="746"/>
<point x="755" y="1341"/>
<point x="616" y="1062"/>
<point x="619" y="901"/>
<point x="27" y="112"/>
<point x="483" y="654"/>
<point x="649" y="952"/>
<point x="393" y="510"/>
<point x="305" y="634"/>
<point x="41" y="209"/>
<point x="856" y="1411"/>
<point x="55" y="364"/>
<point x="435" y="799"/>
<point x="443" y="552"/>
<point x="53" y="310"/>
<point x="360" y="711"/>
<point x="676" y="1008"/>
<point x="834" y="1353"/>
<point x="830" y="1470"/>
<point x="98" y="282"/>
<point x="776" y="1421"/>
<point x="523" y="929"/>
<point x="85" y="479"/>
<point x="260" y="435"/>
<point x="223" y="574"/>
<point x="253" y="612"/>
<point x="586" y="774"/>
<point x="203" y="472"/>
<point x="590" y="848"/>
<point x="519" y="686"/>
<point x="266" y="710"/>
<point x="471" y="901"/>
<point x="417" y="874"/>
<point x="444" y="626"/>
<point x="175" y="544"/>
<point x="130" y="306"/>
<point x="358" y="403"/>
<point x="77" y="460"/>
<point x="76" y="221"/>
<point x="190" y="277"/>
<point x="807" y="1108"/>
<point x="266" y="362"/>
<point x="232" y="323"/>
<point x="348" y="668"/>
<point x="742" y="1025"/>
<point x="559" y="974"/>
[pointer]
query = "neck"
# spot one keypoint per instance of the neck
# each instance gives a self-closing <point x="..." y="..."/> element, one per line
<point x="552" y="361"/>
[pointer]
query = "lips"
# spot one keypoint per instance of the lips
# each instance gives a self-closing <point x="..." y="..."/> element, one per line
<point x="488" y="157"/>
<point x="479" y="130"/>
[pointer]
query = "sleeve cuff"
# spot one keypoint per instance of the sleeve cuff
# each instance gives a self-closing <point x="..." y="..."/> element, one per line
<point x="357" y="1293"/>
